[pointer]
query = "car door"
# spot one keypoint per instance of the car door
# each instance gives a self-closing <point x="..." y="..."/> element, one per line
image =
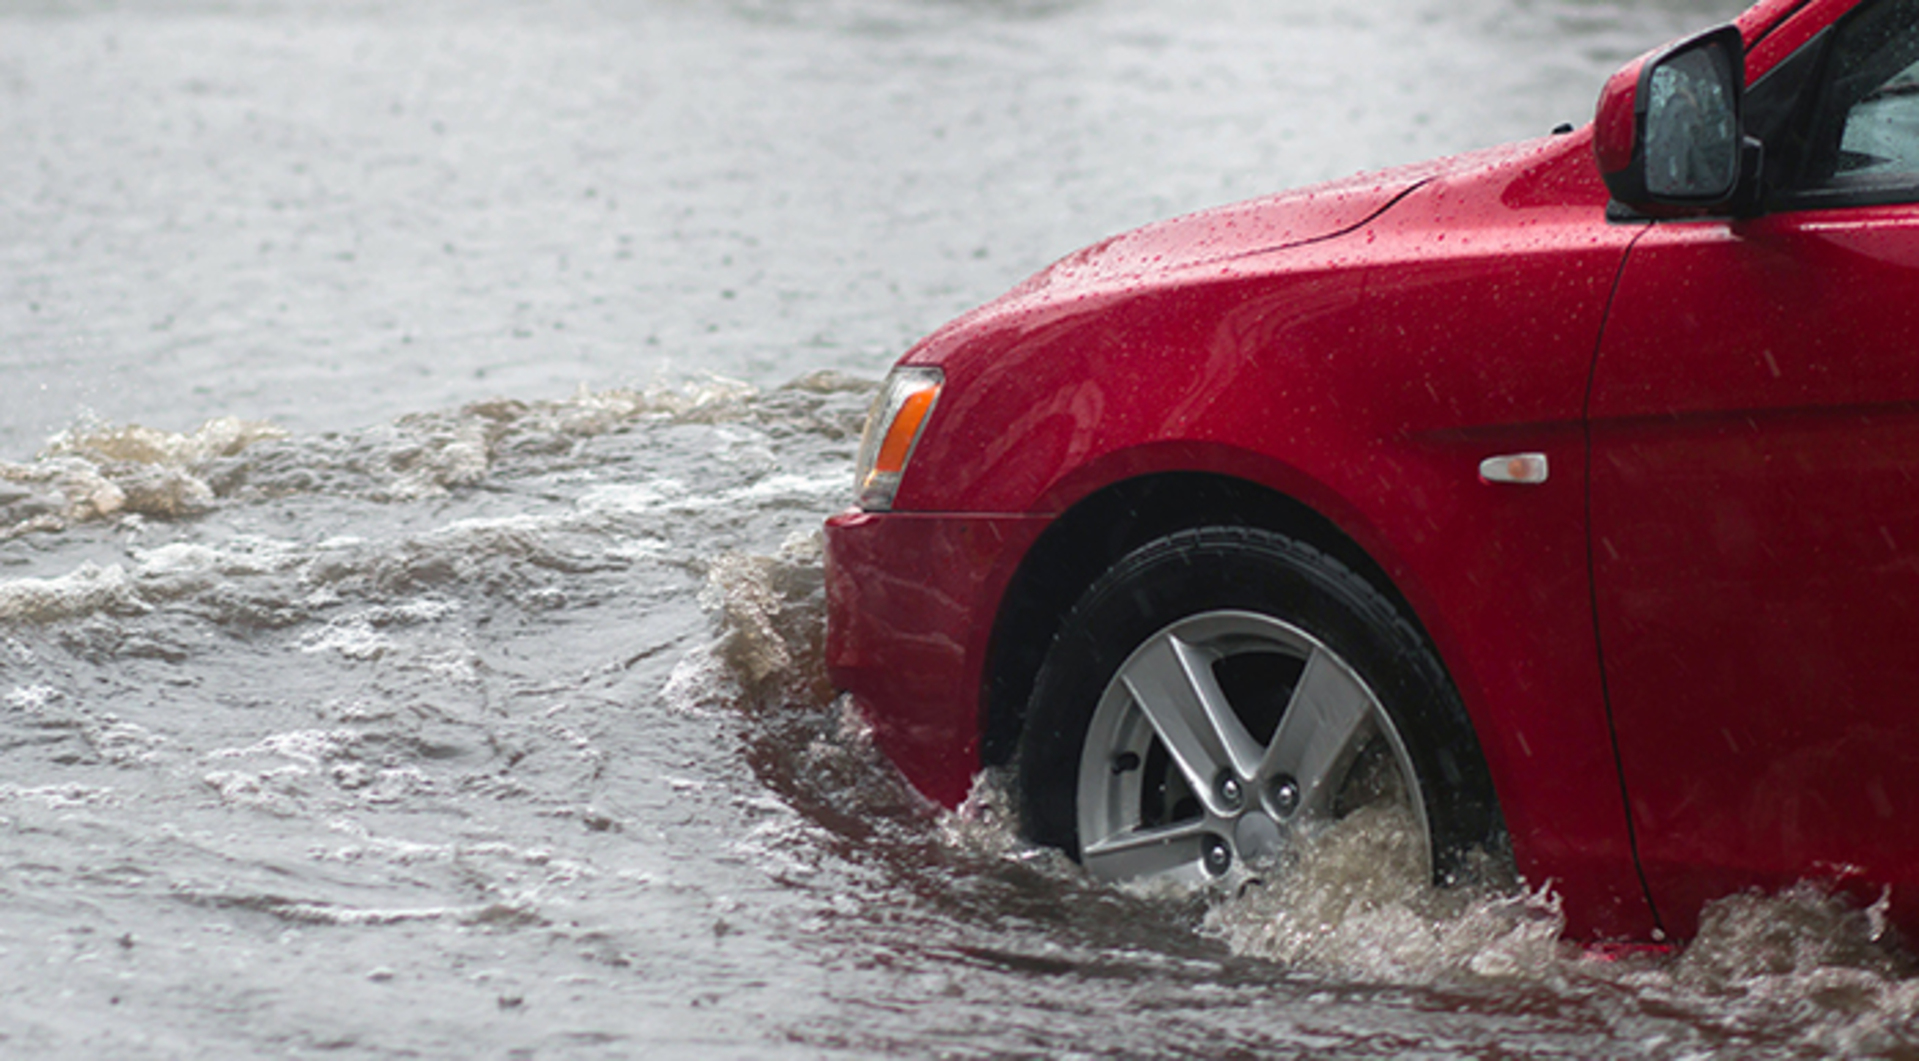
<point x="1754" y="421"/>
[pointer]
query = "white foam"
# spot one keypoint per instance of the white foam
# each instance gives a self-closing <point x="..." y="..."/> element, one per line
<point x="33" y="699"/>
<point x="311" y="746"/>
<point x="220" y="437"/>
<point x="633" y="498"/>
<point x="275" y="791"/>
<point x="987" y="822"/>
<point x="1358" y="902"/>
<point x="92" y="472"/>
<point x="352" y="637"/>
<point x="87" y="590"/>
<point x="62" y="797"/>
<point x="121" y="742"/>
<point x="243" y="555"/>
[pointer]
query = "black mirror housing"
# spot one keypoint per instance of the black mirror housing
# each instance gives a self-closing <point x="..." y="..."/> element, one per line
<point x="1669" y="133"/>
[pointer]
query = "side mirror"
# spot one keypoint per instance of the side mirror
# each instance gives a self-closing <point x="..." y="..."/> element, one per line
<point x="1668" y="130"/>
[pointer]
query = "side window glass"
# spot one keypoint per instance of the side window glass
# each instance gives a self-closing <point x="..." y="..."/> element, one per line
<point x="1881" y="131"/>
<point x="1865" y="131"/>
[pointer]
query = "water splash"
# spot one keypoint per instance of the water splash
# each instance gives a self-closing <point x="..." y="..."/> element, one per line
<point x="1354" y="905"/>
<point x="92" y="472"/>
<point x="133" y="444"/>
<point x="772" y="613"/>
<point x="1357" y="902"/>
<point x="87" y="590"/>
<point x="1805" y="966"/>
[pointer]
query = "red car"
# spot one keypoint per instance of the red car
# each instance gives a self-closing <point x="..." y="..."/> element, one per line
<point x="1568" y="491"/>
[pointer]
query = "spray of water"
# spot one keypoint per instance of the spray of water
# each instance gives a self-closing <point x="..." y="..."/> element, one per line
<point x="1803" y="970"/>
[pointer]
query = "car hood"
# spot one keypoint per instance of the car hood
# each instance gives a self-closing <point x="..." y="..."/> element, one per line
<point x="1257" y="226"/>
<point x="1270" y="223"/>
<point x="1168" y="251"/>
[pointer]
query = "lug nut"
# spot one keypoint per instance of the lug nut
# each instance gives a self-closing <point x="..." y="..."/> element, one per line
<point x="1285" y="796"/>
<point x="1231" y="794"/>
<point x="1215" y="855"/>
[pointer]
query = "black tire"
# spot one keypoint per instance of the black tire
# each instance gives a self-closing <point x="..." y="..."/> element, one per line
<point x="1237" y="618"/>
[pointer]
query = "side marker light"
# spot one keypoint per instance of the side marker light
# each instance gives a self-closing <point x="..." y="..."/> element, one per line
<point x="1524" y="469"/>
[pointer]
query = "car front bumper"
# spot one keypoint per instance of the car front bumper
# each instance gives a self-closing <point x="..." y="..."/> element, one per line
<point x="911" y="603"/>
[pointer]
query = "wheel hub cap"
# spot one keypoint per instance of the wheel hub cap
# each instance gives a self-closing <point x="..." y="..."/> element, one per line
<point x="1258" y="838"/>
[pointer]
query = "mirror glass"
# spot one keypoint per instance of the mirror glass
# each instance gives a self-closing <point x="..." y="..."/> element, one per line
<point x="1692" y="126"/>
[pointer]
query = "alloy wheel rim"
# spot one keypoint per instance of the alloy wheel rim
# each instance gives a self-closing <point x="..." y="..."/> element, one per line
<point x="1193" y="766"/>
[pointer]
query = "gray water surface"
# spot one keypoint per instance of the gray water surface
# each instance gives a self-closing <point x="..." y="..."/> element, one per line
<point x="415" y="423"/>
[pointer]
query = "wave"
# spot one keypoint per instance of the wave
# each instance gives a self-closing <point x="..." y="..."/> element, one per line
<point x="92" y="472"/>
<point x="601" y="509"/>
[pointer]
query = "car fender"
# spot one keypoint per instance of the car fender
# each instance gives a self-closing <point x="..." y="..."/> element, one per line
<point x="1367" y="377"/>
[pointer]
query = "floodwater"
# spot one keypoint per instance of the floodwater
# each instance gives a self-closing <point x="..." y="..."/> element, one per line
<point x="415" y="422"/>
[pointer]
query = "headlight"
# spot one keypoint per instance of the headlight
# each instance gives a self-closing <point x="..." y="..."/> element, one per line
<point x="893" y="427"/>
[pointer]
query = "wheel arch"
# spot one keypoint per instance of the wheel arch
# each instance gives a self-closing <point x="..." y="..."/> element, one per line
<point x="1093" y="534"/>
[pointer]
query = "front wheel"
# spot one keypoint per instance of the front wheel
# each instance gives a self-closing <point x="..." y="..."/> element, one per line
<point x="1218" y="693"/>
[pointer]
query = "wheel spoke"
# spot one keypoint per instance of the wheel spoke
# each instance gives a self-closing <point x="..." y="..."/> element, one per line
<point x="1173" y="684"/>
<point x="1321" y="727"/>
<point x="1148" y="852"/>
